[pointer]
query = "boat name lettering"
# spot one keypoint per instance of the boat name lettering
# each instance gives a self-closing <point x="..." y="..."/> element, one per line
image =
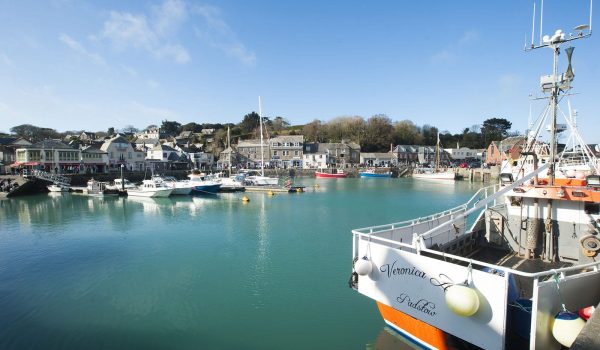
<point x="398" y="271"/>
<point x="423" y="305"/>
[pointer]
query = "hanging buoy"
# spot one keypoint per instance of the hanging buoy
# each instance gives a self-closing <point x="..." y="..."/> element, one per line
<point x="245" y="199"/>
<point x="363" y="266"/>
<point x="462" y="300"/>
<point x="270" y="193"/>
<point x="566" y="327"/>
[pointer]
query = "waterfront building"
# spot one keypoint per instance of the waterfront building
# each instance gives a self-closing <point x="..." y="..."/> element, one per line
<point x="94" y="160"/>
<point x="48" y="155"/>
<point x="250" y="154"/>
<point x="342" y="154"/>
<point x="462" y="153"/>
<point x="163" y="157"/>
<point x="406" y="154"/>
<point x="316" y="160"/>
<point x="7" y="151"/>
<point x="230" y="154"/>
<point x="286" y="151"/>
<point x="121" y="152"/>
<point x="509" y="148"/>
<point x="377" y="159"/>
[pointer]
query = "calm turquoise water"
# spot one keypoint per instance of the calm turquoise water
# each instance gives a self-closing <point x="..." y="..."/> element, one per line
<point x="198" y="273"/>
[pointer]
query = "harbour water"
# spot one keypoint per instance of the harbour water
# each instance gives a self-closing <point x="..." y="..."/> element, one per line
<point x="78" y="272"/>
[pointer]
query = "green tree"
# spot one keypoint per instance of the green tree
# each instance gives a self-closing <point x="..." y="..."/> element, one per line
<point x="495" y="129"/>
<point x="26" y="131"/>
<point x="170" y="127"/>
<point x="407" y="133"/>
<point x="378" y="134"/>
<point x="250" y="122"/>
<point x="111" y="131"/>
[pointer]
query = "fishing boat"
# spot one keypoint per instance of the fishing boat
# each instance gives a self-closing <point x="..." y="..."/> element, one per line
<point x="332" y="174"/>
<point x="150" y="188"/>
<point x="121" y="184"/>
<point x="58" y="187"/>
<point x="99" y="188"/>
<point x="371" y="173"/>
<point x="515" y="267"/>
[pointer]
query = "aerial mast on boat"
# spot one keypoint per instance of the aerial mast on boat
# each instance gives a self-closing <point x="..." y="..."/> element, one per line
<point x="262" y="155"/>
<point x="556" y="83"/>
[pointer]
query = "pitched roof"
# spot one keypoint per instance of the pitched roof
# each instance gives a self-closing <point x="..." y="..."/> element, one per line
<point x="51" y="144"/>
<point x="7" y="140"/>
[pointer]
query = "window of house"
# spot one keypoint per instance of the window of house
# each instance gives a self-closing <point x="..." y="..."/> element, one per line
<point x="296" y="144"/>
<point x="275" y="153"/>
<point x="296" y="153"/>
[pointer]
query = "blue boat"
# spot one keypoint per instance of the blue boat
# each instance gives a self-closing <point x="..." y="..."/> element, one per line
<point x="372" y="173"/>
<point x="200" y="185"/>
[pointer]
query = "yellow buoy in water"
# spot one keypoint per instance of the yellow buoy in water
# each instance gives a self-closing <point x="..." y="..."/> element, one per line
<point x="462" y="300"/>
<point x="299" y="189"/>
<point x="317" y="185"/>
<point x="245" y="199"/>
<point x="271" y="193"/>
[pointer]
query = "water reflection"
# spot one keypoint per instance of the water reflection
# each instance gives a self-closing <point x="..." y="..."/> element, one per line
<point x="388" y="339"/>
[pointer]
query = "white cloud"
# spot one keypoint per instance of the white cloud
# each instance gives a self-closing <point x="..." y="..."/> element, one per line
<point x="169" y="16"/>
<point x="176" y="52"/>
<point x="77" y="47"/>
<point x="151" y="33"/>
<point x="219" y="34"/>
<point x="125" y="29"/>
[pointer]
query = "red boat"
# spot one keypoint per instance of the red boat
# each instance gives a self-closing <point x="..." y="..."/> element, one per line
<point x="333" y="174"/>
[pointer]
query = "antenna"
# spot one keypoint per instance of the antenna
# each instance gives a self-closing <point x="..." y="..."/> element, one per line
<point x="533" y="26"/>
<point x="541" y="20"/>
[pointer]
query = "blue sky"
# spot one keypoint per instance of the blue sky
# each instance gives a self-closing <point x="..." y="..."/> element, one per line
<point x="74" y="65"/>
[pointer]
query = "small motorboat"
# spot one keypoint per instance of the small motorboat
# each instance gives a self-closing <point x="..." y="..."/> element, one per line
<point x="332" y="174"/>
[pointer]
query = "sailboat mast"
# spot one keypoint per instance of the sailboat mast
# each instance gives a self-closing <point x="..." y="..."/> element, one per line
<point x="229" y="146"/>
<point x="437" y="153"/>
<point x="262" y="155"/>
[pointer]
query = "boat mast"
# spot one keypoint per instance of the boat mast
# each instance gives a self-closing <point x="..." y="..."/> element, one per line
<point x="437" y="153"/>
<point x="556" y="83"/>
<point x="229" y="146"/>
<point x="262" y="155"/>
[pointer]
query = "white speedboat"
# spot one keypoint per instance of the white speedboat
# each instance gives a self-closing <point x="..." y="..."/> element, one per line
<point x="202" y="185"/>
<point x="179" y="187"/>
<point x="99" y="188"/>
<point x="58" y="188"/>
<point x="150" y="188"/>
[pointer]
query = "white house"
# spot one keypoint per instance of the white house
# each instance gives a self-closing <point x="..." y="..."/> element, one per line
<point x="316" y="160"/>
<point x="120" y="151"/>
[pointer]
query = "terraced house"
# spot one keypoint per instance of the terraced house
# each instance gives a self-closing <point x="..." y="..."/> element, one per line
<point x="286" y="151"/>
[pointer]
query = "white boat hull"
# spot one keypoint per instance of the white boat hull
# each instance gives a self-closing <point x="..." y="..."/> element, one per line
<point x="149" y="194"/>
<point x="436" y="176"/>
